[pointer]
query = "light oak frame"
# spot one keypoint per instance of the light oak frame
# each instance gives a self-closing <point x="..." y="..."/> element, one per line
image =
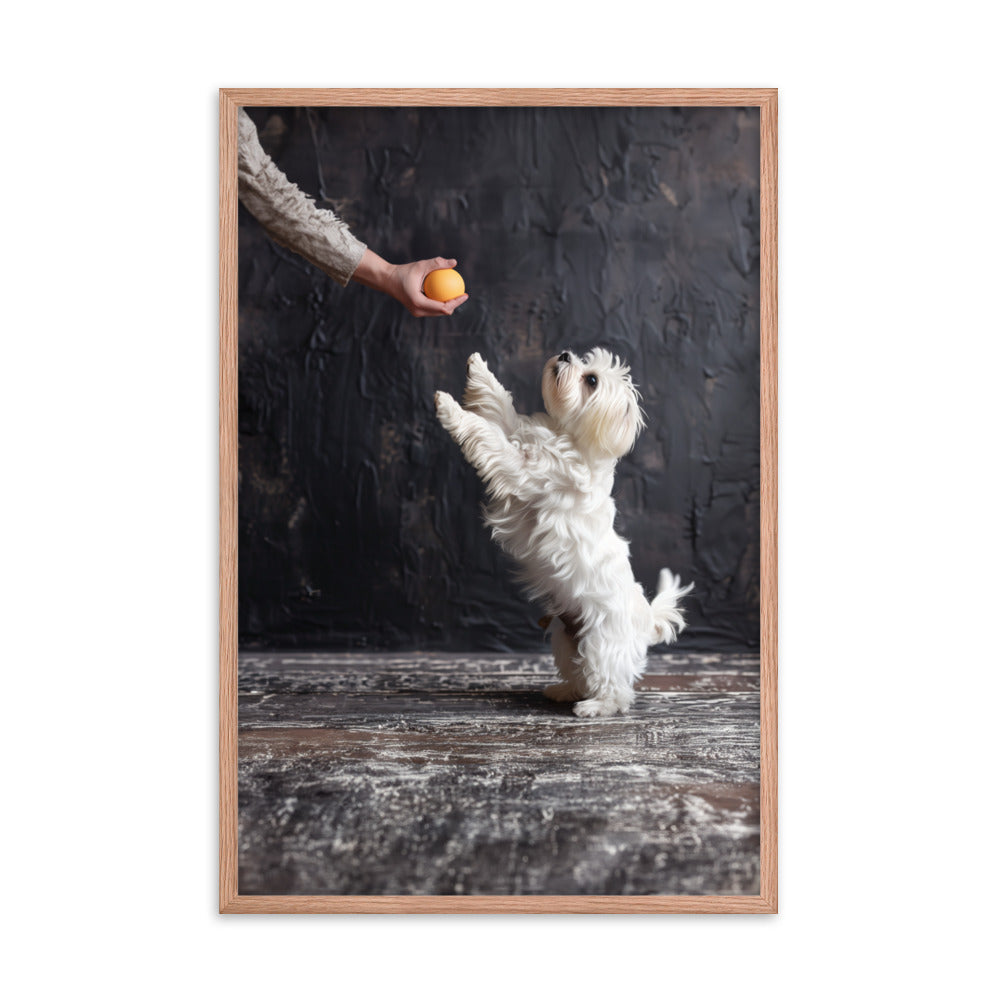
<point x="230" y="100"/>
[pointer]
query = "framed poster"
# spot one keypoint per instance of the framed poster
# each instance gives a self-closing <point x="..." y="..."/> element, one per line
<point x="386" y="743"/>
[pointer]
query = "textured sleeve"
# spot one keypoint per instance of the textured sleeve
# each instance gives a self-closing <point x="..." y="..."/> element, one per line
<point x="291" y="218"/>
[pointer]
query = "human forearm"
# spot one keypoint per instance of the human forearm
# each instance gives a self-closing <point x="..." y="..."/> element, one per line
<point x="289" y="216"/>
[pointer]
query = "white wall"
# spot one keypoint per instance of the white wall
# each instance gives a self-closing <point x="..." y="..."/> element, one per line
<point x="888" y="554"/>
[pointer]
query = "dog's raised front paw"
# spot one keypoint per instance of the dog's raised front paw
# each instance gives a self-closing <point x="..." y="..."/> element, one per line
<point x="448" y="411"/>
<point x="478" y="377"/>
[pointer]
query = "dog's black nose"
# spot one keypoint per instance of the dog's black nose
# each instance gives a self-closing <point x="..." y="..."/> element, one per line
<point x="564" y="356"/>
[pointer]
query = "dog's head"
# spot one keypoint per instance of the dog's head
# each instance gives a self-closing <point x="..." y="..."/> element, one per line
<point x="593" y="400"/>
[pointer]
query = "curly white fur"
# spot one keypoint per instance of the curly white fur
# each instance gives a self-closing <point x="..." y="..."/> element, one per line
<point x="549" y="481"/>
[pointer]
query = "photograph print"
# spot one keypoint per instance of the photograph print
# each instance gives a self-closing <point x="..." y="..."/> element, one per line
<point x="494" y="631"/>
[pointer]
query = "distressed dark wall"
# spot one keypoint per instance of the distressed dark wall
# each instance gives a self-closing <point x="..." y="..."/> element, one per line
<point x="633" y="229"/>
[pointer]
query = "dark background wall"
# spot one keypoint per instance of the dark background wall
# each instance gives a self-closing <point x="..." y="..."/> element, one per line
<point x="633" y="229"/>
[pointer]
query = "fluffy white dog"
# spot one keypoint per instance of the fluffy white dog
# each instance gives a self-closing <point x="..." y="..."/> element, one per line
<point x="549" y="481"/>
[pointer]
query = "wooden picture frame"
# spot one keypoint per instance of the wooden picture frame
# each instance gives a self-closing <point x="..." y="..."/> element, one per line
<point x="230" y="899"/>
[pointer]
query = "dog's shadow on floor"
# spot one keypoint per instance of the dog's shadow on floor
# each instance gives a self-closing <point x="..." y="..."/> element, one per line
<point x="530" y="701"/>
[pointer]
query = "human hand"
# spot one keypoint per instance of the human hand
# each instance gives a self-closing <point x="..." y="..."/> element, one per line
<point x="405" y="282"/>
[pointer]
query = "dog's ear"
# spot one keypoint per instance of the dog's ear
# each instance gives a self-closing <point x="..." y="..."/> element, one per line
<point x="616" y="420"/>
<point x="631" y="422"/>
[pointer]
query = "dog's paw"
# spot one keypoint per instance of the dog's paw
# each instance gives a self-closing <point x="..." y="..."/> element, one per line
<point x="479" y="377"/>
<point x="448" y="411"/>
<point x="592" y="708"/>
<point x="563" y="691"/>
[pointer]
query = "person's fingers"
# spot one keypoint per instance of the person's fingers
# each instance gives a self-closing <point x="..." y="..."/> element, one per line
<point x="436" y="263"/>
<point x="452" y="304"/>
<point x="421" y="301"/>
<point x="446" y="308"/>
<point x="430" y="307"/>
<point x="424" y="307"/>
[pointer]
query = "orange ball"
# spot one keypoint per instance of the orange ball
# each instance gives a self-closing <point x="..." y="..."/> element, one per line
<point x="444" y="284"/>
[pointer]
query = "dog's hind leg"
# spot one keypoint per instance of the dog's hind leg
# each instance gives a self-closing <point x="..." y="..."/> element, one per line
<point x="609" y="666"/>
<point x="564" y="651"/>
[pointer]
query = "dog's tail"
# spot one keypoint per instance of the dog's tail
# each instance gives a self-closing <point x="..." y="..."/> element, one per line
<point x="668" y="619"/>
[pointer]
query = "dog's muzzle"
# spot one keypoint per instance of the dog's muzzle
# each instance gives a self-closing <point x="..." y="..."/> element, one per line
<point x="562" y="361"/>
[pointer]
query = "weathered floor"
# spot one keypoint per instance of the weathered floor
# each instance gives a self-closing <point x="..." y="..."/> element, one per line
<point x="438" y="774"/>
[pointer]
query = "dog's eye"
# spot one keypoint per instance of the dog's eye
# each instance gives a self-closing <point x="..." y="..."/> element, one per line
<point x="591" y="380"/>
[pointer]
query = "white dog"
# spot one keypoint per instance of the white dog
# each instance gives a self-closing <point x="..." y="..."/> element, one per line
<point x="549" y="482"/>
